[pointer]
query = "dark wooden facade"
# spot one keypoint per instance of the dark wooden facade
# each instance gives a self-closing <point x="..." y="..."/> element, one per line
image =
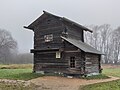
<point x="55" y="50"/>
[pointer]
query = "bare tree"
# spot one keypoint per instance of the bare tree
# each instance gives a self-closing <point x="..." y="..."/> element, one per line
<point x="116" y="45"/>
<point x="7" y="44"/>
<point x="100" y="39"/>
<point x="105" y="38"/>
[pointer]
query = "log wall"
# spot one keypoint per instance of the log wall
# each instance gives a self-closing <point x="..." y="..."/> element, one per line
<point x="47" y="61"/>
<point x="91" y="63"/>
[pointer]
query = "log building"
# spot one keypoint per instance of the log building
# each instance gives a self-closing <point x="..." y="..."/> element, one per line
<point x="59" y="47"/>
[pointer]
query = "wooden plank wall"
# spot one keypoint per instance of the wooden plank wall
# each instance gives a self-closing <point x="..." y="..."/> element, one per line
<point x="78" y="62"/>
<point x="74" y="31"/>
<point x="49" y="26"/>
<point x="91" y="63"/>
<point x="51" y="64"/>
<point x="48" y="62"/>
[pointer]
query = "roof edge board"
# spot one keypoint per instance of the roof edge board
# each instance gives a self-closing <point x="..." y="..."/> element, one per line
<point x="74" y="23"/>
<point x="26" y="27"/>
<point x="45" y="12"/>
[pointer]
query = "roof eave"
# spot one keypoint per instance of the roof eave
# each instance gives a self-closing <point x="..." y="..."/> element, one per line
<point x="27" y="27"/>
<point x="74" y="23"/>
<point x="95" y="53"/>
<point x="45" y="12"/>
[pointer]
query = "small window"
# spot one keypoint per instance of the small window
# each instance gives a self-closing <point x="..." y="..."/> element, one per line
<point x="58" y="54"/>
<point x="72" y="62"/>
<point x="48" y="38"/>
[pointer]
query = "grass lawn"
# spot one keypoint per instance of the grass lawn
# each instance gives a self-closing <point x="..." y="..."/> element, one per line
<point x="22" y="74"/>
<point x="112" y="85"/>
<point x="100" y="76"/>
<point x="18" y="72"/>
<point x="112" y="72"/>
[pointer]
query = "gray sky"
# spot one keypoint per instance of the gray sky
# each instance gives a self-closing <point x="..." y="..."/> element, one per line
<point x="14" y="14"/>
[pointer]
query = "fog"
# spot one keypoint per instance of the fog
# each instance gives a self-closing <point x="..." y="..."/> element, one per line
<point x="14" y="14"/>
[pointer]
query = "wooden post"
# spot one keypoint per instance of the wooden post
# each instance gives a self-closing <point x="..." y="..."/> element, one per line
<point x="100" y="69"/>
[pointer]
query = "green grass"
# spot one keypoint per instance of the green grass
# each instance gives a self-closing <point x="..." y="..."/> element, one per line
<point x="100" y="76"/>
<point x="22" y="74"/>
<point x="112" y="72"/>
<point x="17" y="72"/>
<point x="112" y="85"/>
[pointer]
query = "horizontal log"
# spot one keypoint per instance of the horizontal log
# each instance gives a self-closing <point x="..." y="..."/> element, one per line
<point x="52" y="64"/>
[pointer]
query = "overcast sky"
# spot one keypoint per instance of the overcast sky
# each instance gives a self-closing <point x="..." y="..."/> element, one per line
<point x="14" y="14"/>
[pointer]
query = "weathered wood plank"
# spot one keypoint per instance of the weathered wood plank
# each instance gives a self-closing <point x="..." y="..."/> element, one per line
<point x="53" y="27"/>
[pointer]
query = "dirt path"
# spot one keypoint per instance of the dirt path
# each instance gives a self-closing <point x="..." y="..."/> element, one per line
<point x="63" y="83"/>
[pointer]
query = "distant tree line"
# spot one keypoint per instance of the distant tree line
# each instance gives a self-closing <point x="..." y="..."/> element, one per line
<point x="107" y="40"/>
<point x="21" y="58"/>
<point x="9" y="50"/>
<point x="103" y="38"/>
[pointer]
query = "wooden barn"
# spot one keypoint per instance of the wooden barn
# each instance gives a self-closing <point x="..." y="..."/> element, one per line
<point x="59" y="47"/>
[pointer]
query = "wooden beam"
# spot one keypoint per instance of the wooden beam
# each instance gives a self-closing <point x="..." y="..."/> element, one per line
<point x="52" y="63"/>
<point x="72" y="51"/>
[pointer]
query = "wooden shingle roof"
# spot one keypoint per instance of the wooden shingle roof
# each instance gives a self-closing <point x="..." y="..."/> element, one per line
<point x="31" y="26"/>
<point x="81" y="45"/>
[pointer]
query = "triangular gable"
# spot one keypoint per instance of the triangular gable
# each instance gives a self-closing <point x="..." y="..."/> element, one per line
<point x="34" y="23"/>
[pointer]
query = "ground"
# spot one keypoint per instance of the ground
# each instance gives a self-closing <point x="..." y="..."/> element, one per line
<point x="50" y="83"/>
<point x="63" y="83"/>
<point x="54" y="82"/>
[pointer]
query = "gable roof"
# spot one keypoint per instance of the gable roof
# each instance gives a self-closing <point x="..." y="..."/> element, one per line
<point x="81" y="45"/>
<point x="31" y="26"/>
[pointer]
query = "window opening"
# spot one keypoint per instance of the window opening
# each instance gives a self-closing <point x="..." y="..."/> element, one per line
<point x="72" y="62"/>
<point x="48" y="38"/>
